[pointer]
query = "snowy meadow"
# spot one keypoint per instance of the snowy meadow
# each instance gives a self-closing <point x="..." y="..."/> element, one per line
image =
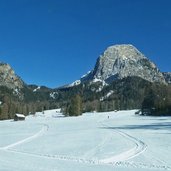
<point x="107" y="141"/>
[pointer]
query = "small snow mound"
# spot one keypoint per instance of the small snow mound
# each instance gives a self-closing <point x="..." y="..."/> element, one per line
<point x="53" y="113"/>
<point x="86" y="74"/>
<point x="52" y="94"/>
<point x="96" y="80"/>
<point x="75" y="83"/>
<point x="38" y="88"/>
<point x="107" y="95"/>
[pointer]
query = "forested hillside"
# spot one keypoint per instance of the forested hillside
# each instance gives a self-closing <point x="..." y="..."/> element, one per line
<point x="122" y="79"/>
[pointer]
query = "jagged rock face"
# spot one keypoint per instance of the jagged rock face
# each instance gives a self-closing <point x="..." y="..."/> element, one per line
<point x="167" y="76"/>
<point x="9" y="78"/>
<point x="121" y="61"/>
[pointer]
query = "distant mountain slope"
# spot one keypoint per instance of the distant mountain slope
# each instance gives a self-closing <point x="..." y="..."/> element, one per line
<point x="8" y="77"/>
<point x="122" y="61"/>
<point x="123" y="78"/>
<point x="167" y="76"/>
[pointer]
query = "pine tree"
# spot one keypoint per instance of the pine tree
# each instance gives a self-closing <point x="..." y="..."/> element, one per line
<point x="4" y="112"/>
<point x="75" y="108"/>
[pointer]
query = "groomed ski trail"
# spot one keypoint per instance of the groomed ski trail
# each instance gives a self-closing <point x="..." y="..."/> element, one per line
<point x="124" y="164"/>
<point x="119" y="160"/>
<point x="28" y="139"/>
<point x="139" y="148"/>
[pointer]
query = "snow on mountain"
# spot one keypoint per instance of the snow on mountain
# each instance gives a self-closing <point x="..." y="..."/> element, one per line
<point x="75" y="83"/>
<point x="53" y="94"/>
<point x="101" y="85"/>
<point x="96" y="80"/>
<point x="107" y="95"/>
<point x="38" y="88"/>
<point x="120" y="61"/>
<point x="86" y="74"/>
<point x="18" y="93"/>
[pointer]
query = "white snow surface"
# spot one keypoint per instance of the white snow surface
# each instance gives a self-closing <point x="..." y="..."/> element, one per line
<point x="109" y="141"/>
<point x="53" y="94"/>
<point x="97" y="80"/>
<point x="20" y="115"/>
<point x="86" y="74"/>
<point x="107" y="95"/>
<point x="75" y="83"/>
<point x="36" y="89"/>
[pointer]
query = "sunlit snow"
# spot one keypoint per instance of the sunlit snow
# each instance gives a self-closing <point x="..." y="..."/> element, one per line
<point x="110" y="141"/>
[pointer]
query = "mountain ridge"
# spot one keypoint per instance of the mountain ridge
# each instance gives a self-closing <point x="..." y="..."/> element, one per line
<point x="120" y="61"/>
<point x="167" y="76"/>
<point x="123" y="78"/>
<point x="8" y="77"/>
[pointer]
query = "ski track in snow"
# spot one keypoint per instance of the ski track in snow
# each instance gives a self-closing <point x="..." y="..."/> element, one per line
<point x="28" y="139"/>
<point x="92" y="161"/>
<point x="119" y="160"/>
<point x="93" y="151"/>
<point x="139" y="148"/>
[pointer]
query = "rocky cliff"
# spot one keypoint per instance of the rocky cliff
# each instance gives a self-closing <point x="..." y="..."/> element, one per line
<point x="8" y="77"/>
<point x="121" y="61"/>
<point x="167" y="76"/>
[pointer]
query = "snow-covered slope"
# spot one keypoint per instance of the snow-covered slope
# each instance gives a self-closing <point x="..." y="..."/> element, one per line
<point x="95" y="141"/>
<point x="75" y="83"/>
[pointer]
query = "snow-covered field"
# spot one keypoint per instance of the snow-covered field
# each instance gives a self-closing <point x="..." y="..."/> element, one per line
<point x="92" y="142"/>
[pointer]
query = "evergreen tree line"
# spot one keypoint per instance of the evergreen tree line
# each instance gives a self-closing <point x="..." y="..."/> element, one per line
<point x="157" y="101"/>
<point x="128" y="93"/>
<point x="10" y="103"/>
<point x="74" y="107"/>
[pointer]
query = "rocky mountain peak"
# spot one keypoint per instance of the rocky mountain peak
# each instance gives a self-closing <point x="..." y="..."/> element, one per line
<point x="167" y="76"/>
<point x="124" y="51"/>
<point x="8" y="77"/>
<point x="120" y="61"/>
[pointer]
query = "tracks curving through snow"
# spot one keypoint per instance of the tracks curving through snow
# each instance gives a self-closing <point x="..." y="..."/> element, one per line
<point x="119" y="160"/>
<point x="28" y="139"/>
<point x="139" y="148"/>
<point x="122" y="164"/>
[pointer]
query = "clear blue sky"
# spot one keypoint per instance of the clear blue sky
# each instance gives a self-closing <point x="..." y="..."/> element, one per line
<point x="54" y="42"/>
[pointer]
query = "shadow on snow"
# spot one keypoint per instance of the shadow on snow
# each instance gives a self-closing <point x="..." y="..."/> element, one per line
<point x="154" y="126"/>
